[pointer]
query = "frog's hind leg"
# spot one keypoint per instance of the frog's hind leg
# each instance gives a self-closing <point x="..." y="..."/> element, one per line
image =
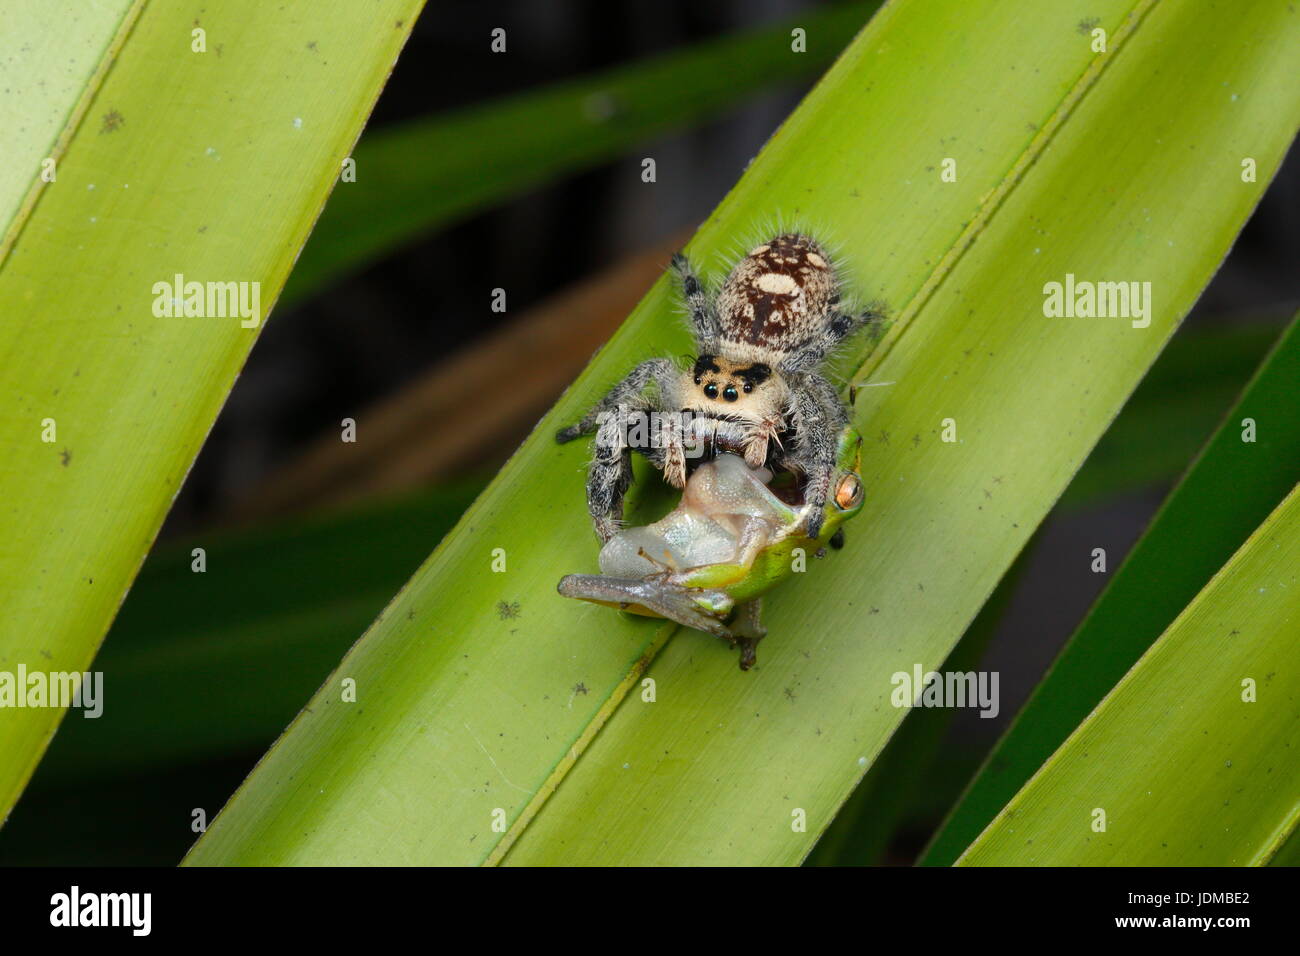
<point x="701" y="608"/>
<point x="749" y="630"/>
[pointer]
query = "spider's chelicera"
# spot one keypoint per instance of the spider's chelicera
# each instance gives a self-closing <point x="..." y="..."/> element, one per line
<point x="755" y="386"/>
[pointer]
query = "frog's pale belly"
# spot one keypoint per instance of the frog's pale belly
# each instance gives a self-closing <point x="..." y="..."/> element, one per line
<point x="703" y="529"/>
<point x="681" y="540"/>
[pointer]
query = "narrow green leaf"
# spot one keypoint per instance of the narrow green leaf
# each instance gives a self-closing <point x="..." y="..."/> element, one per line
<point x="420" y="175"/>
<point x="1226" y="493"/>
<point x="861" y="831"/>
<point x="480" y="694"/>
<point x="1190" y="760"/>
<point x="212" y="165"/>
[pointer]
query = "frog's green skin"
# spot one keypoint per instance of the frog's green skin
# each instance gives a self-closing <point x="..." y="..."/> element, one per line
<point x="725" y="599"/>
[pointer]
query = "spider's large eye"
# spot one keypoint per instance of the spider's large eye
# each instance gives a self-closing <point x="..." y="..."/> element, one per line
<point x="749" y="387"/>
<point x="848" y="493"/>
<point x="730" y="393"/>
<point x="711" y="390"/>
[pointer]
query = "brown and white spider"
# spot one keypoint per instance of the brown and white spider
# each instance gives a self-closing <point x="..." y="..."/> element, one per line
<point x="756" y="384"/>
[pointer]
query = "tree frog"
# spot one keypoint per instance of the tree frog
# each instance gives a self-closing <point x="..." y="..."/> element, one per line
<point x="735" y="535"/>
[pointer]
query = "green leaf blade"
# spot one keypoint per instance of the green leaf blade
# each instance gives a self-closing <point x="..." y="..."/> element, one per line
<point x="1227" y="492"/>
<point x="211" y="165"/>
<point x="1185" y="768"/>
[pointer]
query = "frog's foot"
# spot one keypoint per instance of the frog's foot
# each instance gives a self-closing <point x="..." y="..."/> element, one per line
<point x="749" y="630"/>
<point x="701" y="608"/>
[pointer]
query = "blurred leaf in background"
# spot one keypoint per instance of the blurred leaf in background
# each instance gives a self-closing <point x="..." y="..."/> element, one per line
<point x="426" y="173"/>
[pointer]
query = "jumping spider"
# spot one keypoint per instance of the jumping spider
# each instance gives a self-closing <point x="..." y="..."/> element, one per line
<point x="756" y="383"/>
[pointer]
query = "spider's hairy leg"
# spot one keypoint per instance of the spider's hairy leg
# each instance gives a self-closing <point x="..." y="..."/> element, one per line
<point x="844" y="324"/>
<point x="611" y="466"/>
<point x="608" y="478"/>
<point x="839" y="326"/>
<point x="704" y="316"/>
<point x="818" y="418"/>
<point x="628" y="392"/>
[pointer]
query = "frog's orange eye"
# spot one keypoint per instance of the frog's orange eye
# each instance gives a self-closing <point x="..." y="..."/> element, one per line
<point x="848" y="493"/>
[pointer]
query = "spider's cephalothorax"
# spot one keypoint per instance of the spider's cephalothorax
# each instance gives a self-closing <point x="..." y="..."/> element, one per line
<point x="755" y="384"/>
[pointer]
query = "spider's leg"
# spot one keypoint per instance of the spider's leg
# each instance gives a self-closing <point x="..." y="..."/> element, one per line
<point x="844" y="324"/>
<point x="704" y="317"/>
<point x="836" y="412"/>
<point x="608" y="477"/>
<point x="629" y="393"/>
<point x="818" y="418"/>
<point x="839" y="326"/>
<point x="616" y="419"/>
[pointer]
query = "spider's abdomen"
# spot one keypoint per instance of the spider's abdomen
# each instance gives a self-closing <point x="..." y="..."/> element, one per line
<point x="778" y="296"/>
